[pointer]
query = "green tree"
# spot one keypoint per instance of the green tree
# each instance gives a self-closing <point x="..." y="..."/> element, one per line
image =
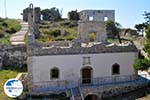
<point x="46" y="14"/>
<point x="147" y="44"/>
<point x="113" y="30"/>
<point x="147" y="17"/>
<point x="52" y="14"/>
<point x="140" y="27"/>
<point x="73" y="15"/>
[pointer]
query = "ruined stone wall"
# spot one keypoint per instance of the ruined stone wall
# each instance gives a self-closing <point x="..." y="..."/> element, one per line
<point x="13" y="56"/>
<point x="97" y="15"/>
<point x="85" y="28"/>
<point x="37" y="49"/>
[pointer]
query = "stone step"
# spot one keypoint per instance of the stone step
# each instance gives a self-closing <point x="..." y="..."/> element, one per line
<point x="18" y="37"/>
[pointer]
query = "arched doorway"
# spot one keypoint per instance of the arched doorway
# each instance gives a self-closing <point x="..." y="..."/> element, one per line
<point x="91" y="97"/>
<point x="86" y="74"/>
<point x="92" y="36"/>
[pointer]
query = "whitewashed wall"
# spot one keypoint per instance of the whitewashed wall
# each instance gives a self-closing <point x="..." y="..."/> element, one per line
<point x="70" y="65"/>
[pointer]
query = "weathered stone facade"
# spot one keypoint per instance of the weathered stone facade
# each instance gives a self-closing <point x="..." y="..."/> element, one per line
<point x="13" y="56"/>
<point x="85" y="28"/>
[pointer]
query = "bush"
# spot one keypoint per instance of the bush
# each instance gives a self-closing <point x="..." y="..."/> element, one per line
<point x="54" y="32"/>
<point x="12" y="25"/>
<point x="142" y="64"/>
<point x="5" y="24"/>
<point x="2" y="34"/>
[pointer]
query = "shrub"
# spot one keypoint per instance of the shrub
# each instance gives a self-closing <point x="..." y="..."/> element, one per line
<point x="5" y="24"/>
<point x="2" y="34"/>
<point x="55" y="32"/>
<point x="141" y="64"/>
<point x="12" y="25"/>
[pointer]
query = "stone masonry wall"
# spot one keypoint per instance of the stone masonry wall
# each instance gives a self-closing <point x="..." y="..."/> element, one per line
<point x="13" y="56"/>
<point x="108" y="91"/>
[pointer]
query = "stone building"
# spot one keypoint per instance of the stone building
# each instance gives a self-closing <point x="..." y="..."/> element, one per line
<point x="92" y="25"/>
<point x="85" y="71"/>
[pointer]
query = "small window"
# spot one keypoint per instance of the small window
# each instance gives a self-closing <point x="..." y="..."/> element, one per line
<point x="91" y="18"/>
<point x="115" y="69"/>
<point x="54" y="73"/>
<point x="86" y="60"/>
<point x="105" y="18"/>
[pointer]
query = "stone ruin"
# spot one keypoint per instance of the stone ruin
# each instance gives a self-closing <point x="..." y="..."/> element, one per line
<point x="82" y="44"/>
<point x="36" y="14"/>
<point x="93" y="22"/>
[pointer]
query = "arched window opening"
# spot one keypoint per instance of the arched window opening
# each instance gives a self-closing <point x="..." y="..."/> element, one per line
<point x="54" y="73"/>
<point x="115" y="69"/>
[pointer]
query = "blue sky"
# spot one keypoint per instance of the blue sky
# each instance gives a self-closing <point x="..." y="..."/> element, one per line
<point x="127" y="12"/>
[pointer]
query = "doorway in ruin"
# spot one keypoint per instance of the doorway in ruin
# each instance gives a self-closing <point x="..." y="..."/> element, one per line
<point x="92" y="36"/>
<point x="86" y="75"/>
<point x="91" y="97"/>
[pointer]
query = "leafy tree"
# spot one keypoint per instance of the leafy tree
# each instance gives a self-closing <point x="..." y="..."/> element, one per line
<point x="73" y="15"/>
<point x="142" y="64"/>
<point x="147" y="17"/>
<point x="52" y="14"/>
<point x="140" y="27"/>
<point x="113" y="29"/>
<point x="147" y="44"/>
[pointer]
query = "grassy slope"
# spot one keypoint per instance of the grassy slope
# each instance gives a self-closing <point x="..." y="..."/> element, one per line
<point x="4" y="76"/>
<point x="8" y="27"/>
<point x="61" y="25"/>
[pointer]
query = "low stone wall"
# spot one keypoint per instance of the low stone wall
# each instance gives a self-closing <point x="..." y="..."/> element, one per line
<point x="13" y="56"/>
<point x="116" y="89"/>
<point x="55" y="43"/>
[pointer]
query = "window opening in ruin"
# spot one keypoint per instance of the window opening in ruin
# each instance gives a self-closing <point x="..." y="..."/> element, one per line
<point x="105" y="18"/>
<point x="91" y="18"/>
